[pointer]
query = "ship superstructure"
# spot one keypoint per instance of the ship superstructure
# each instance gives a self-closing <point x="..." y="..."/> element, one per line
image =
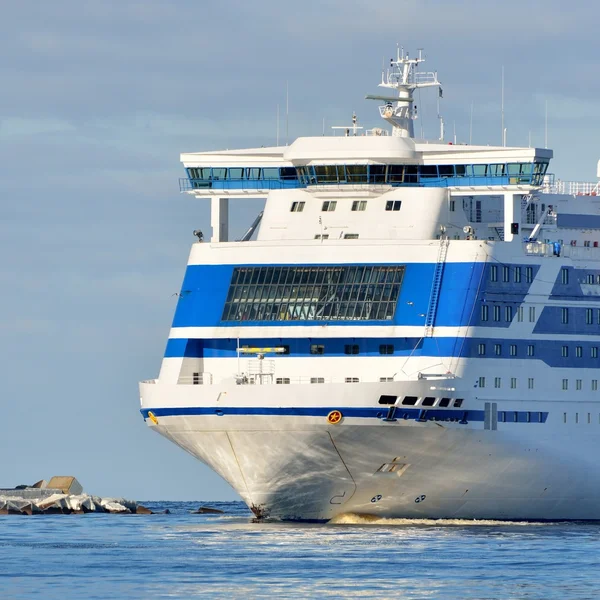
<point x="409" y="329"/>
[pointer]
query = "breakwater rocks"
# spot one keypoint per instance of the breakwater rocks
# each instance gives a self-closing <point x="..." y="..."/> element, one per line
<point x="65" y="504"/>
<point x="62" y="495"/>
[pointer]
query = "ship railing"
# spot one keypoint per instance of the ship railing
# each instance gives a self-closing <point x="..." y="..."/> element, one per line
<point x="557" y="249"/>
<point x="575" y="188"/>
<point x="247" y="379"/>
<point x="196" y="379"/>
<point x="191" y="185"/>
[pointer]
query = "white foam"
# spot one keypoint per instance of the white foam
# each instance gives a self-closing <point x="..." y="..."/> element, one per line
<point x="364" y="519"/>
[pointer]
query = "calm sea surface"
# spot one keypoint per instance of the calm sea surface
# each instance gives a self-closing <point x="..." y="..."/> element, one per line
<point x="181" y="555"/>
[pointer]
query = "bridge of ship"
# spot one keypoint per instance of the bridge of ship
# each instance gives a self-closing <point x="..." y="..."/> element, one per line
<point x="511" y="172"/>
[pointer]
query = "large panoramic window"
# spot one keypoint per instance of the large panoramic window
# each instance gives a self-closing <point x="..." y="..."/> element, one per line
<point x="349" y="293"/>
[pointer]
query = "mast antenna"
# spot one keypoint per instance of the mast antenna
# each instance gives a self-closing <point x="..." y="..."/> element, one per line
<point x="546" y="128"/>
<point x="287" y="111"/>
<point x="402" y="76"/>
<point x="471" y="126"/>
<point x="502" y="104"/>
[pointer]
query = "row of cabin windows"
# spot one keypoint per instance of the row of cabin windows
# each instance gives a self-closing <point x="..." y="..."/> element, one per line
<point x="579" y="385"/>
<point x="426" y="401"/>
<point x="583" y="419"/>
<point x="515" y="416"/>
<point x="352" y="349"/>
<point x="497" y="314"/>
<point x="513" y="350"/>
<point x="504" y="271"/>
<point x="513" y="382"/>
<point x="288" y="380"/>
<point x="346" y="236"/>
<point x="370" y="174"/>
<point x="357" y="205"/>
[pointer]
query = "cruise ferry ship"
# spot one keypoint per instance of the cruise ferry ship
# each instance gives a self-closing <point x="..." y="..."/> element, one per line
<point x="409" y="329"/>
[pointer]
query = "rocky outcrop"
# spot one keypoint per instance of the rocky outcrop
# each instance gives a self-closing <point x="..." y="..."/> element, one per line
<point x="62" y="496"/>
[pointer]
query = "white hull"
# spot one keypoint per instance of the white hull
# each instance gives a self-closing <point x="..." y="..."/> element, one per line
<point x="302" y="468"/>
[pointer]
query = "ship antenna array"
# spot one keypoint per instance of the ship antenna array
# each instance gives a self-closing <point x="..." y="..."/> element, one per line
<point x="403" y="76"/>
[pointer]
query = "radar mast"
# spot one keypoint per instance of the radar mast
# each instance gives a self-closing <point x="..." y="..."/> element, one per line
<point x="402" y="75"/>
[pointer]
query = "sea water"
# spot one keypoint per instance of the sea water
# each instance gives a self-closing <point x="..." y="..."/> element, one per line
<point x="184" y="555"/>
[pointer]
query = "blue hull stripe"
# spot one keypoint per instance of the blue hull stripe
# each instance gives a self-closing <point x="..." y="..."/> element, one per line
<point x="425" y="414"/>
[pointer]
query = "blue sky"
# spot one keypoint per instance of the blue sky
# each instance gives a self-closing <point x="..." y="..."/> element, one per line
<point x="98" y="100"/>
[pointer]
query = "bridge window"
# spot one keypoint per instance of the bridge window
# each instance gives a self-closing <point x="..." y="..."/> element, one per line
<point x="270" y="173"/>
<point x="446" y="170"/>
<point x="396" y="173"/>
<point x="377" y="173"/>
<point x="348" y="293"/>
<point x="288" y="173"/>
<point x="326" y="173"/>
<point x="235" y="173"/>
<point x="429" y="171"/>
<point x="356" y="173"/>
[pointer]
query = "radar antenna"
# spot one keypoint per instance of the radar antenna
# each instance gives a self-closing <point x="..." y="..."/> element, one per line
<point x="402" y="75"/>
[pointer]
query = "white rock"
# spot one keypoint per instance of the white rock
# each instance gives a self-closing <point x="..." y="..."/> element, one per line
<point x="44" y="503"/>
<point x="114" y="507"/>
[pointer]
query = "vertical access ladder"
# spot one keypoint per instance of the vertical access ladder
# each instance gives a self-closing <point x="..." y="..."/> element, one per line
<point x="436" y="286"/>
